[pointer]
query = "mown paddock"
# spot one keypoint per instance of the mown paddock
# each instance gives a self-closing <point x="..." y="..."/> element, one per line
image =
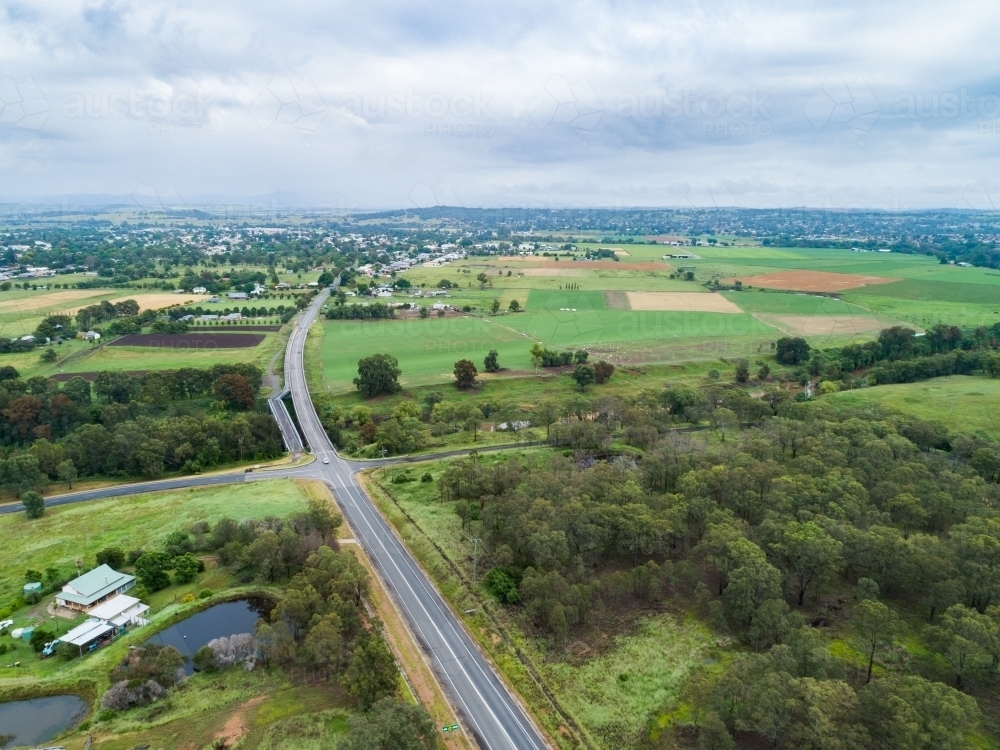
<point x="962" y="403"/>
<point x="426" y="348"/>
<point x="822" y="325"/>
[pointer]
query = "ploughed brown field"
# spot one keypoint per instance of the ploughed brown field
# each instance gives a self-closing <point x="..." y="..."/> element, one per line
<point x="812" y="281"/>
<point x="191" y="340"/>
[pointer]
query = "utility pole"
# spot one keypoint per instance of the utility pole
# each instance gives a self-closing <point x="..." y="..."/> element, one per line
<point x="475" y="557"/>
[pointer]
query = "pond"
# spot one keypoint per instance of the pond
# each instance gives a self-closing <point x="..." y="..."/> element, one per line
<point x="36" y="721"/>
<point x="220" y="620"/>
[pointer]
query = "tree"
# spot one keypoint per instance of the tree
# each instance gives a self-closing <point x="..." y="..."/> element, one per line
<point x="742" y="370"/>
<point x="584" y="376"/>
<point x="961" y="638"/>
<point x="537" y="353"/>
<point x="911" y="713"/>
<point x="875" y="624"/>
<point x="391" y="725"/>
<point x="490" y="364"/>
<point x="809" y="554"/>
<point x="465" y="373"/>
<point x="186" y="567"/>
<point x="113" y="557"/>
<point x="752" y="581"/>
<point x="49" y="355"/>
<point x="483" y="279"/>
<point x="324" y="643"/>
<point x="514" y="306"/>
<point x="763" y="372"/>
<point x="791" y="351"/>
<point x="725" y="420"/>
<point x="34" y="505"/>
<point x="66" y="472"/>
<point x="495" y="306"/>
<point x="234" y="391"/>
<point x="372" y="673"/>
<point x="151" y="570"/>
<point x="603" y="372"/>
<point x="547" y="413"/>
<point x="378" y="374"/>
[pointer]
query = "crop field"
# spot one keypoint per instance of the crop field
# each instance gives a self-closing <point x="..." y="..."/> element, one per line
<point x="631" y="312"/>
<point x="963" y="403"/>
<point x="191" y="340"/>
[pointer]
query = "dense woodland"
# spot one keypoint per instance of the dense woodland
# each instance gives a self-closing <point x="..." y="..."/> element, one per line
<point x="124" y="425"/>
<point x="792" y="532"/>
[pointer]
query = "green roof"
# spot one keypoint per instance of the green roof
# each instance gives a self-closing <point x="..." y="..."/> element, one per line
<point x="91" y="586"/>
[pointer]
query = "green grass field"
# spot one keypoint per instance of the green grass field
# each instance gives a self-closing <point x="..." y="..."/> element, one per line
<point x="68" y="532"/>
<point x="161" y="358"/>
<point x="962" y="403"/>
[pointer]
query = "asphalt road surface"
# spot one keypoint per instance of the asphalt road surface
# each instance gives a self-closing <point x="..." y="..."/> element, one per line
<point x="487" y="707"/>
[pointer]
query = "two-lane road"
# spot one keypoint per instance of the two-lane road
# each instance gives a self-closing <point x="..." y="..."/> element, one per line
<point x="488" y="709"/>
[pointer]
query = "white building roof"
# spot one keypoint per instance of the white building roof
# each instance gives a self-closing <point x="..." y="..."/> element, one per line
<point x="119" y="605"/>
<point x="83" y="634"/>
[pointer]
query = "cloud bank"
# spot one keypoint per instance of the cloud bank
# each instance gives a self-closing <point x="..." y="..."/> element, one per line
<point x="387" y="104"/>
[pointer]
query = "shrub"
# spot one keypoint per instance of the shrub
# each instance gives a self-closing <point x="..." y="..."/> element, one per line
<point x="426" y="477"/>
<point x="112" y="556"/>
<point x="34" y="505"/>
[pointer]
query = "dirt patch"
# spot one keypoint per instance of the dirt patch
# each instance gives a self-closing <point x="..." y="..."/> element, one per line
<point x="682" y="301"/>
<point x="156" y="301"/>
<point x="820" y="325"/>
<point x="191" y="340"/>
<point x="617" y="301"/>
<point x="236" y="725"/>
<point x="813" y="281"/>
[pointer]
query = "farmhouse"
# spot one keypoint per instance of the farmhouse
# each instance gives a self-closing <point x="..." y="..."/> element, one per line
<point x="93" y="588"/>
<point x="199" y="290"/>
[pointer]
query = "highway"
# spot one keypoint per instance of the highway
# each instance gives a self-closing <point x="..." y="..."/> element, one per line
<point x="489" y="711"/>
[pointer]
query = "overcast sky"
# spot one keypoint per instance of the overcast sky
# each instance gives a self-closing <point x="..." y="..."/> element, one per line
<point x="385" y="105"/>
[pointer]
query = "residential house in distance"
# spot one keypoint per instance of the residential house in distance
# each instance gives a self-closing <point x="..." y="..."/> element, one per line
<point x="237" y="295"/>
<point x="199" y="290"/>
<point x="93" y="588"/>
